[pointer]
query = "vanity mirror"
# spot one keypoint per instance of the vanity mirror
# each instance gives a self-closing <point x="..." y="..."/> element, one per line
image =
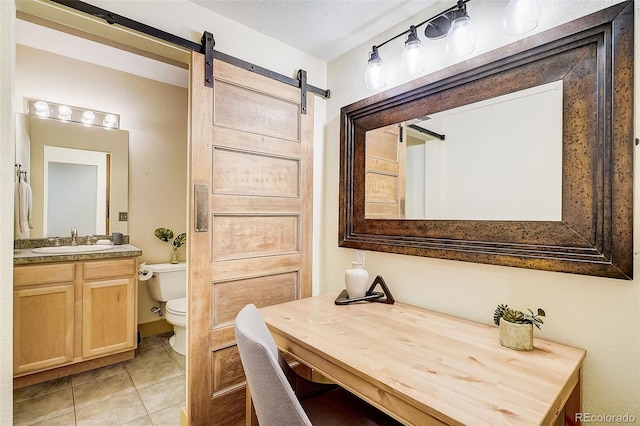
<point x="79" y="176"/>
<point x="585" y="178"/>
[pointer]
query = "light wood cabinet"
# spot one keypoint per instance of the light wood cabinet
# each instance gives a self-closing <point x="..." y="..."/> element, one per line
<point x="73" y="314"/>
<point x="108" y="307"/>
<point x="43" y="321"/>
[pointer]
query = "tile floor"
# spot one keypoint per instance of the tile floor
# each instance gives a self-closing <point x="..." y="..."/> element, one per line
<point x="147" y="390"/>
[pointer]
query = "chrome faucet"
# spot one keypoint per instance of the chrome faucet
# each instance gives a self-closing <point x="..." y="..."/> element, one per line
<point x="74" y="236"/>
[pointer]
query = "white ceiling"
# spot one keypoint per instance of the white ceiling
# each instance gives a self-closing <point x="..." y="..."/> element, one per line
<point x="323" y="28"/>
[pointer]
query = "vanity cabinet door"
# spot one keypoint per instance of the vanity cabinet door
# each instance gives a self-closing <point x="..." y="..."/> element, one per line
<point x="43" y="321"/>
<point x="108" y="310"/>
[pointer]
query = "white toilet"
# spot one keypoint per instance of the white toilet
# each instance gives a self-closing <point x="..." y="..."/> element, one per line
<point x="169" y="284"/>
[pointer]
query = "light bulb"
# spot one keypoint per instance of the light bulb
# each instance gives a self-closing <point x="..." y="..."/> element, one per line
<point x="109" y="121"/>
<point x="64" y="113"/>
<point x="521" y="16"/>
<point x="374" y="75"/>
<point x="413" y="56"/>
<point x="88" y="117"/>
<point x="42" y="109"/>
<point x="461" y="39"/>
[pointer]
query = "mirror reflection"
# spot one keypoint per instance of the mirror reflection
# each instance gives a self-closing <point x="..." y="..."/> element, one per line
<point x="78" y="177"/>
<point x="498" y="159"/>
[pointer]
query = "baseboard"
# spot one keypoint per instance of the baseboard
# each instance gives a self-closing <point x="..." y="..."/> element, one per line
<point x="154" y="327"/>
<point x="71" y="369"/>
<point x="184" y="417"/>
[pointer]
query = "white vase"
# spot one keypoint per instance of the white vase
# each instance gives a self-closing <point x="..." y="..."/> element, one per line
<point x="357" y="280"/>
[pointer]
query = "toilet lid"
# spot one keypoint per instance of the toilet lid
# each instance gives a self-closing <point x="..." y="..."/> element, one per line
<point x="177" y="306"/>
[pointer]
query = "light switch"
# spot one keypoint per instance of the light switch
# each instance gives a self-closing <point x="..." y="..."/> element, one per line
<point x="122" y="216"/>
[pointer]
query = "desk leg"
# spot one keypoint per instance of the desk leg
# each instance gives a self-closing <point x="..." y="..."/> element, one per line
<point x="250" y="415"/>
<point x="574" y="404"/>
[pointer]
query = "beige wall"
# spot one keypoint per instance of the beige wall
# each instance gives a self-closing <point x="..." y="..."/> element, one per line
<point x="597" y="314"/>
<point x="154" y="114"/>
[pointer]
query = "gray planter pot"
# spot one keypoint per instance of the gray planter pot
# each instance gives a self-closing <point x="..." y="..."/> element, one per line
<point x="516" y="336"/>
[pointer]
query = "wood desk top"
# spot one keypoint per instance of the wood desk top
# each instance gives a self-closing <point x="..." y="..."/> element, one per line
<point x="425" y="367"/>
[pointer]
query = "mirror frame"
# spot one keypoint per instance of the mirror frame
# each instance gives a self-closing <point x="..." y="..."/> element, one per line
<point x="593" y="55"/>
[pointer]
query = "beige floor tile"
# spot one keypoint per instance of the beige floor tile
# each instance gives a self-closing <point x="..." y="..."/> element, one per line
<point x="163" y="395"/>
<point x="41" y="389"/>
<point x="68" y="419"/>
<point x="142" y="421"/>
<point x="146" y="357"/>
<point x="103" y="389"/>
<point x="180" y="359"/>
<point x="43" y="407"/>
<point x="154" y="340"/>
<point x="97" y="374"/>
<point x="120" y="394"/>
<point x="170" y="416"/>
<point x="155" y="373"/>
<point x="114" y="411"/>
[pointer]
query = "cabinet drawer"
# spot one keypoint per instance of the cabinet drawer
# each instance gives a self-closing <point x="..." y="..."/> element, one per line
<point x="109" y="268"/>
<point x="44" y="274"/>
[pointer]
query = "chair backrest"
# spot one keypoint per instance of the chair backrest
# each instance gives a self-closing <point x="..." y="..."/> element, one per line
<point x="273" y="398"/>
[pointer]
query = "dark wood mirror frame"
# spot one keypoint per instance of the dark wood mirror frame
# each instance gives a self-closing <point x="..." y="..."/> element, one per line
<point x="593" y="56"/>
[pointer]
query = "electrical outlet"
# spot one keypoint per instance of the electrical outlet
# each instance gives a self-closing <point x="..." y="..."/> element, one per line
<point x="360" y="257"/>
<point x="123" y="216"/>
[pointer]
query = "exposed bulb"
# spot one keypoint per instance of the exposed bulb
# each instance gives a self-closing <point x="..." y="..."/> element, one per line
<point x="413" y="56"/>
<point x="64" y="113"/>
<point x="42" y="109"/>
<point x="88" y="117"/>
<point x="374" y="75"/>
<point x="461" y="38"/>
<point x="109" y="121"/>
<point x="521" y="16"/>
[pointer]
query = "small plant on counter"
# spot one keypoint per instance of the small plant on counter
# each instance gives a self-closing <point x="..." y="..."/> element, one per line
<point x="516" y="327"/>
<point x="166" y="235"/>
<point x="518" y="317"/>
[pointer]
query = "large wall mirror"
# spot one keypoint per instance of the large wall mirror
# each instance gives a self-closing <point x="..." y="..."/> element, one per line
<point x="79" y="176"/>
<point x="520" y="157"/>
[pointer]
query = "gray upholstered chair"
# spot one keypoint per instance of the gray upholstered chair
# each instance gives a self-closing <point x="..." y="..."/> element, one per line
<point x="272" y="383"/>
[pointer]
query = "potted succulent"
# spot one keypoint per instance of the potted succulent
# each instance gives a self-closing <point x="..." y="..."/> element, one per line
<point x="166" y="234"/>
<point x="516" y="327"/>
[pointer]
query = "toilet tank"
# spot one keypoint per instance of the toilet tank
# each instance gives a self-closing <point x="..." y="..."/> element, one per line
<point x="168" y="282"/>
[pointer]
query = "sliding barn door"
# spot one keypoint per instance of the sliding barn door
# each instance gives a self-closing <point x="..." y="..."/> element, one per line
<point x="385" y="174"/>
<point x="251" y="174"/>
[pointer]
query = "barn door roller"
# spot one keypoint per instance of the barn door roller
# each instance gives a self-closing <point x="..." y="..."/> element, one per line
<point x="208" y="43"/>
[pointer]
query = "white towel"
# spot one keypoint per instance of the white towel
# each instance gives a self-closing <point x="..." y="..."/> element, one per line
<point x="23" y="206"/>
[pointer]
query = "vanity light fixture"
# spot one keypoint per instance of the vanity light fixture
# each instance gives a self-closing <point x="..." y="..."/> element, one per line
<point x="88" y="118"/>
<point x="414" y="58"/>
<point x="521" y="16"/>
<point x="374" y="76"/>
<point x="66" y="114"/>
<point x="41" y="109"/>
<point x="461" y="37"/>
<point x="109" y="121"/>
<point x="455" y="24"/>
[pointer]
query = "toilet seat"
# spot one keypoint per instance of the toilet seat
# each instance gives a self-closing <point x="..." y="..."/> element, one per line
<point x="177" y="307"/>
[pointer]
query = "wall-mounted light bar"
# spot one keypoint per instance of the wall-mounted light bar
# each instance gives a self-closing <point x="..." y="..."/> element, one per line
<point x="66" y="113"/>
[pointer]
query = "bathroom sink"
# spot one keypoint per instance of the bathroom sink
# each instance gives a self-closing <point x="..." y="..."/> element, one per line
<point x="72" y="249"/>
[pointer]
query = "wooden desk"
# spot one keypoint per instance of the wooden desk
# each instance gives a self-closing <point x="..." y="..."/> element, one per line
<point x="424" y="367"/>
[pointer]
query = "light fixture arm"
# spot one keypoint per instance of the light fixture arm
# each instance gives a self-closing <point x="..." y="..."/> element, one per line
<point x="460" y="5"/>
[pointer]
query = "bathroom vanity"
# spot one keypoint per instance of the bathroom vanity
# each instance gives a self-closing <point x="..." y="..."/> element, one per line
<point x="73" y="312"/>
